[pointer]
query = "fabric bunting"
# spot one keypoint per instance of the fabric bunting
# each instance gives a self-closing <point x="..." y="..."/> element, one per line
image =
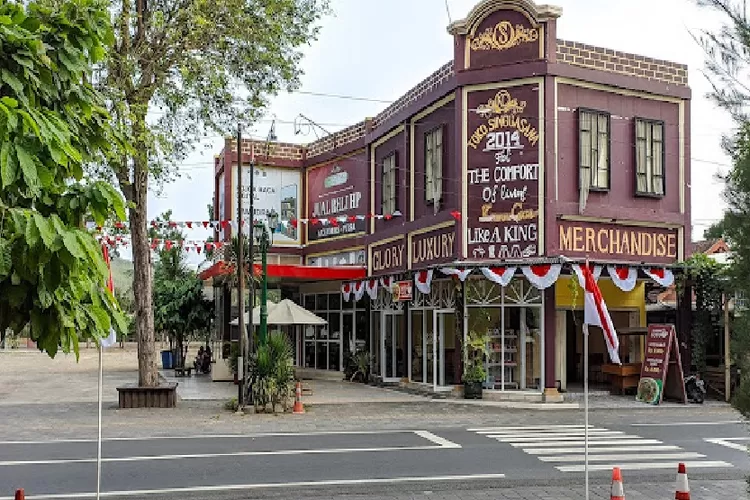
<point x="595" y="270"/>
<point x="661" y="275"/>
<point x="542" y="275"/>
<point x="387" y="282"/>
<point x="624" y="277"/>
<point x="461" y="274"/>
<point x="423" y="279"/>
<point x="346" y="291"/>
<point x="499" y="275"/>
<point x="359" y="290"/>
<point x="342" y="219"/>
<point x="371" y="286"/>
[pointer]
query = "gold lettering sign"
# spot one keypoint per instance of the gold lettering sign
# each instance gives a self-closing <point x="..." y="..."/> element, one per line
<point x="623" y="242"/>
<point x="504" y="36"/>
<point x="434" y="247"/>
<point x="503" y="111"/>
<point x="388" y="258"/>
<point x="516" y="214"/>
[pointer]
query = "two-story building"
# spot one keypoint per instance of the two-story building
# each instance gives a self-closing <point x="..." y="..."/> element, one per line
<point x="485" y="187"/>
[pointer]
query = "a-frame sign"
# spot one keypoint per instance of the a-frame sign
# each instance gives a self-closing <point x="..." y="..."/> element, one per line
<point x="661" y="372"/>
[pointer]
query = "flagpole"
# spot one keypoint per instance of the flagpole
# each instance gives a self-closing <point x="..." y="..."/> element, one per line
<point x="99" y="436"/>
<point x="586" y="395"/>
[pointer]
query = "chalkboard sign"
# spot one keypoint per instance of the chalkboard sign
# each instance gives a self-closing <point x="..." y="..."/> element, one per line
<point x="661" y="372"/>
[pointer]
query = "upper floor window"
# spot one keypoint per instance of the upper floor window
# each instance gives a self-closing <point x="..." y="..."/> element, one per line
<point x="649" y="157"/>
<point x="594" y="145"/>
<point x="388" y="185"/>
<point x="433" y="166"/>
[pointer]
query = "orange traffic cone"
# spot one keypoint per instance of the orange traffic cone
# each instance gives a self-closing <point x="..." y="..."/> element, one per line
<point x="298" y="407"/>
<point x="683" y="490"/>
<point x="20" y="494"/>
<point x="617" y="492"/>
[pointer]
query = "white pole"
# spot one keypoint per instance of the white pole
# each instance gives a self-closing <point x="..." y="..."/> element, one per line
<point x="99" y="438"/>
<point x="586" y="406"/>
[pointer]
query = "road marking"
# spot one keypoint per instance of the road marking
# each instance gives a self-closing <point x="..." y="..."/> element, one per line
<point x="559" y="437"/>
<point x="680" y="424"/>
<point x="608" y="449"/>
<point x="486" y="430"/>
<point x="559" y="444"/>
<point x="622" y="457"/>
<point x="581" y="432"/>
<point x="258" y="486"/>
<point x="442" y="442"/>
<point x="147" y="458"/>
<point x="644" y="466"/>
<point x="728" y="443"/>
<point x="215" y="436"/>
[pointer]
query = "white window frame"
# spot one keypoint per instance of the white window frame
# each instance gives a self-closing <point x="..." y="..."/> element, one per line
<point x="594" y="159"/>
<point x="649" y="157"/>
<point x="389" y="185"/>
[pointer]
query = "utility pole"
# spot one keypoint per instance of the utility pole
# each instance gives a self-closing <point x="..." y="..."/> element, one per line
<point x="240" y="276"/>
<point x="250" y="224"/>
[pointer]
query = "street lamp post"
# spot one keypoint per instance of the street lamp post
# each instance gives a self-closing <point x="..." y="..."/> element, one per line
<point x="264" y="241"/>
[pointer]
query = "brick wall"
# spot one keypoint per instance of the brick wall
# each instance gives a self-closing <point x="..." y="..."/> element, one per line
<point x="280" y="150"/>
<point x="588" y="56"/>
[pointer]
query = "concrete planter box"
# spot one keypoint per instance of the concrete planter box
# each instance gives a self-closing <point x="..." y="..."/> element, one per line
<point x="163" y="396"/>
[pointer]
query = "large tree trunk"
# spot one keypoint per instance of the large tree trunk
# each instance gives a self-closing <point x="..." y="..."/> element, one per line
<point x="148" y="374"/>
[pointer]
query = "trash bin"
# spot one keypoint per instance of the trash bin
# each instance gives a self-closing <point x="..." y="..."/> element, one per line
<point x="167" y="360"/>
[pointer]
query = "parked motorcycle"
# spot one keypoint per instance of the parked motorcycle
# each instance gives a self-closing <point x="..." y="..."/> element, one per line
<point x="695" y="389"/>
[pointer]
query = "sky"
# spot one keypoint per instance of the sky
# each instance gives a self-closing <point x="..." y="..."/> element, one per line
<point x="378" y="50"/>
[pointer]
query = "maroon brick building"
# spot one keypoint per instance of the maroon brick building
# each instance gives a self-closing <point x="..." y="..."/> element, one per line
<point x="486" y="186"/>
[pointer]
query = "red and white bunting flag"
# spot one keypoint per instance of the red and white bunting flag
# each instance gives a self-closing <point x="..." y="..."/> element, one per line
<point x="461" y="274"/>
<point x="499" y="275"/>
<point x="387" y="282"/>
<point x="359" y="290"/>
<point x="423" y="279"/>
<point x="624" y="277"/>
<point x="661" y="275"/>
<point x="596" y="270"/>
<point x="595" y="313"/>
<point x="371" y="287"/>
<point x="110" y="340"/>
<point x="542" y="275"/>
<point x="346" y="291"/>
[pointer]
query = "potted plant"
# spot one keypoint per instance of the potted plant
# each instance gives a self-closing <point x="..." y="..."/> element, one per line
<point x="475" y="350"/>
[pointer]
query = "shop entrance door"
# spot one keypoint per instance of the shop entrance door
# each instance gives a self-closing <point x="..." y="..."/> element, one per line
<point x="443" y="343"/>
<point x="393" y="346"/>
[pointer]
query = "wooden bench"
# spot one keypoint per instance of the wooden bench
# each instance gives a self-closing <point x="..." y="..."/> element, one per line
<point x="182" y="372"/>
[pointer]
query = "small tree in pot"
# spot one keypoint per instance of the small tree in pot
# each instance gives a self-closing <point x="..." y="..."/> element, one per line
<point x="475" y="350"/>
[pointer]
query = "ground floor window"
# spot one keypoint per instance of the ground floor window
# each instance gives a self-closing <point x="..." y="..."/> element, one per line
<point x="512" y="319"/>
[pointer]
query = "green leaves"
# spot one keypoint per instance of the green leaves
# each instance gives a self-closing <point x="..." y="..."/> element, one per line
<point x="53" y="122"/>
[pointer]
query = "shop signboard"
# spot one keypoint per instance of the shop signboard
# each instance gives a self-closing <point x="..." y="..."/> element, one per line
<point x="503" y="169"/>
<point x="351" y="258"/>
<point x="432" y="247"/>
<point x="388" y="257"/>
<point x="612" y="241"/>
<point x="337" y="191"/>
<point x="661" y="372"/>
<point x="277" y="189"/>
<point x="402" y="291"/>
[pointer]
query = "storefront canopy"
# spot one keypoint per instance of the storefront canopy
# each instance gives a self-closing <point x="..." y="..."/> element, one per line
<point x="290" y="272"/>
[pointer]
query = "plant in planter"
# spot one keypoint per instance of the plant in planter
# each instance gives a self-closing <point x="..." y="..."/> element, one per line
<point x="362" y="360"/>
<point x="475" y="350"/>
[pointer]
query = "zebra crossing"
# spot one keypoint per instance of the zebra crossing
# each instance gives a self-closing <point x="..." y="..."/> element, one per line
<point x="562" y="446"/>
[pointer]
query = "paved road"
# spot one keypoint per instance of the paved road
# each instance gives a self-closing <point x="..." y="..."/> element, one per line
<point x="458" y="462"/>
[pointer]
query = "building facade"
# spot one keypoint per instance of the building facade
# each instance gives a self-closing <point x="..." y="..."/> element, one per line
<point x="472" y="201"/>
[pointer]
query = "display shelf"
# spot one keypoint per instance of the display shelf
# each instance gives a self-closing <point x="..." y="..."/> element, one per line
<point x="501" y="347"/>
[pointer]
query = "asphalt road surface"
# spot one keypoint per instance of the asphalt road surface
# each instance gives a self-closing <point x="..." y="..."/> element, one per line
<point x="374" y="462"/>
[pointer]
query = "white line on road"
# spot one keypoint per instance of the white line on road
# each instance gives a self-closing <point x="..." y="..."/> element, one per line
<point x="680" y="424"/>
<point x="558" y="444"/>
<point x="539" y="439"/>
<point x="486" y="430"/>
<point x="644" y="466"/>
<point x="608" y="449"/>
<point x="258" y="486"/>
<point x="560" y="436"/>
<point x="623" y="457"/>
<point x="216" y="436"/>
<point x="147" y="458"/>
<point x="728" y="443"/>
<point x="444" y="443"/>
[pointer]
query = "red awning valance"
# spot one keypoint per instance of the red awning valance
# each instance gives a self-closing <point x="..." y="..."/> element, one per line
<point x="293" y="272"/>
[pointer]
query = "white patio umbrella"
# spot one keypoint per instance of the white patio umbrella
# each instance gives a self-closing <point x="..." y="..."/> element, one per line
<point x="285" y="312"/>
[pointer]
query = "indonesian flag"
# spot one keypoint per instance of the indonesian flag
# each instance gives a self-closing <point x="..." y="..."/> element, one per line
<point x="112" y="338"/>
<point x="595" y="313"/>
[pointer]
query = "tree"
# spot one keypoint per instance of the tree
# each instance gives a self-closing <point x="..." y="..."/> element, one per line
<point x="189" y="61"/>
<point x="52" y="123"/>
<point x="728" y="68"/>
<point x="715" y="230"/>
